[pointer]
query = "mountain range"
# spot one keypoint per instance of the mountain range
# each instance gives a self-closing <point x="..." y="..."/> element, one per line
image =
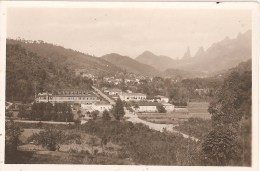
<point x="219" y="56"/>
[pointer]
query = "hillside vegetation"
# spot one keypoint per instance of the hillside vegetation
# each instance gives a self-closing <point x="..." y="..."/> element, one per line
<point x="67" y="57"/>
<point x="28" y="73"/>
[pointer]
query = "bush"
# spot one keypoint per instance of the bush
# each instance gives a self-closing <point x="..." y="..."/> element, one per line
<point x="49" y="138"/>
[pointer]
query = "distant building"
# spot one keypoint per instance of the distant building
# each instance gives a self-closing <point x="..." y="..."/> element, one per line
<point x="101" y="106"/>
<point x="162" y="98"/>
<point x="132" y="96"/>
<point x="147" y="107"/>
<point x="168" y="107"/>
<point x="113" y="92"/>
<point x="68" y="96"/>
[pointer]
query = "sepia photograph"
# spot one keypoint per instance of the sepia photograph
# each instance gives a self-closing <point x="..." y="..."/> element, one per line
<point x="148" y="84"/>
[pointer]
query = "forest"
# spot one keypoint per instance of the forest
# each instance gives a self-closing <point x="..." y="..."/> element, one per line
<point x="28" y="74"/>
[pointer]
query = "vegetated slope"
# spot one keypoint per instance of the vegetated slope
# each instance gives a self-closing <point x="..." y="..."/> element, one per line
<point x="70" y="58"/>
<point x="130" y="65"/>
<point x="28" y="73"/>
<point x="240" y="68"/>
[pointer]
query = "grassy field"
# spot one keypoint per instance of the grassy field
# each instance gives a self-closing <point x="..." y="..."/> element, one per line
<point x="199" y="110"/>
<point x="164" y="118"/>
<point x="195" y="110"/>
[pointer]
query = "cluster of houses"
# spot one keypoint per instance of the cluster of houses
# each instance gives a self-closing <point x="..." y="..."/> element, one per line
<point x="91" y="101"/>
<point x="140" y="99"/>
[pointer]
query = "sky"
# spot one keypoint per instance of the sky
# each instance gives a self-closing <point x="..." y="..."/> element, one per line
<point x="129" y="31"/>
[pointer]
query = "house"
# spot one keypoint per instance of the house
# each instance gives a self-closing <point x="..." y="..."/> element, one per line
<point x="168" y="107"/>
<point x="101" y="106"/>
<point x="162" y="98"/>
<point x="68" y="96"/>
<point x="132" y="96"/>
<point x="145" y="106"/>
<point x="113" y="92"/>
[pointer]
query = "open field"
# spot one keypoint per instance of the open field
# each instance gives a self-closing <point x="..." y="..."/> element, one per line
<point x="195" y="110"/>
<point x="163" y="118"/>
<point x="199" y="110"/>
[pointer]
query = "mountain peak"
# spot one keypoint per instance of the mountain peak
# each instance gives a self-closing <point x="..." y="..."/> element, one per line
<point x="200" y="52"/>
<point x="146" y="53"/>
<point x="187" y="54"/>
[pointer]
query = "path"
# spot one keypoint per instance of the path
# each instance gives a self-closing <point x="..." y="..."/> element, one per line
<point x="159" y="127"/>
<point x="46" y="122"/>
<point x="9" y="104"/>
<point x="112" y="102"/>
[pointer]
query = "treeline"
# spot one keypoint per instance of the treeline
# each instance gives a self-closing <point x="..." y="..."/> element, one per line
<point x="229" y="142"/>
<point x="27" y="74"/>
<point x="178" y="92"/>
<point x="47" y="112"/>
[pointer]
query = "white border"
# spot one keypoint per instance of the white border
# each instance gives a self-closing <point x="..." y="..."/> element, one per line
<point x="163" y="5"/>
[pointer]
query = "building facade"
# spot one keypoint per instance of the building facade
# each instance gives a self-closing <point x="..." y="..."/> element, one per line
<point x="68" y="96"/>
<point x="101" y="106"/>
<point x="147" y="107"/>
<point x="132" y="97"/>
<point x="113" y="92"/>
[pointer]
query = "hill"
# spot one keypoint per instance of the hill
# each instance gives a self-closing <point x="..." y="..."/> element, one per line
<point x="28" y="73"/>
<point x="159" y="62"/>
<point x="67" y="57"/>
<point x="130" y="65"/>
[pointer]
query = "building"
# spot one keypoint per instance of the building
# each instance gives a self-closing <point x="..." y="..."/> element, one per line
<point x="162" y="98"/>
<point x="132" y="96"/>
<point x="147" y="107"/>
<point x="101" y="106"/>
<point x="168" y="107"/>
<point x="68" y="96"/>
<point x="113" y="92"/>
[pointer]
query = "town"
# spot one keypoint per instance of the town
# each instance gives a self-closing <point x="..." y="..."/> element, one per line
<point x="132" y="86"/>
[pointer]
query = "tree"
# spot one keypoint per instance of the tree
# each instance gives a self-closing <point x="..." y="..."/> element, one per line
<point x="118" y="109"/>
<point x="22" y="112"/>
<point x="160" y="108"/>
<point x="231" y="122"/>
<point x="220" y="147"/>
<point x="106" y="116"/>
<point x="49" y="138"/>
<point x="93" y="143"/>
<point x="94" y="114"/>
<point x="12" y="133"/>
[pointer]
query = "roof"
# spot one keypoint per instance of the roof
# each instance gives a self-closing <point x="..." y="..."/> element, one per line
<point x="133" y="94"/>
<point x="145" y="103"/>
<point x="102" y="103"/>
<point x="75" y="95"/>
<point x="167" y="104"/>
<point x="160" y="96"/>
<point x="114" y="89"/>
<point x="68" y="95"/>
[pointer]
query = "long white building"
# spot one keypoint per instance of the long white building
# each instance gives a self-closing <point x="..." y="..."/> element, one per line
<point x="132" y="96"/>
<point x="68" y="96"/>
